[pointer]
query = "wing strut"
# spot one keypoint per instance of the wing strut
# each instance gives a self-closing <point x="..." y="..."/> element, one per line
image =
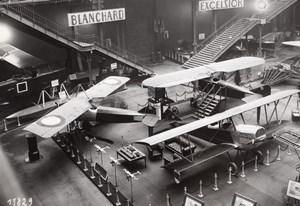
<point x="285" y="109"/>
<point x="192" y="156"/>
<point x="242" y="116"/>
<point x="266" y="114"/>
<point x="258" y="115"/>
<point x="80" y="88"/>
<point x="232" y="123"/>
<point x="275" y="110"/>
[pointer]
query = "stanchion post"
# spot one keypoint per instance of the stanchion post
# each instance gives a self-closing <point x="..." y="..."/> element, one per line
<point x="84" y="164"/>
<point x="278" y="157"/>
<point x="118" y="199"/>
<point x="185" y="190"/>
<point x="62" y="141"/>
<point x="229" y="176"/>
<point x="100" y="181"/>
<point x="268" y="158"/>
<point x="18" y="119"/>
<point x="243" y="169"/>
<point x="216" y="182"/>
<point x="92" y="171"/>
<point x="68" y="148"/>
<point x="5" y="126"/>
<point x="72" y="152"/>
<point x="255" y="164"/>
<point x="289" y="150"/>
<point x="78" y="159"/>
<point x="200" y="189"/>
<point x="168" y="200"/>
<point x="108" y="188"/>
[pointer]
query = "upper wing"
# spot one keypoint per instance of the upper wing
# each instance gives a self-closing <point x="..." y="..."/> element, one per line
<point x="53" y="122"/>
<point x="292" y="43"/>
<point x="18" y="57"/>
<point x="105" y="87"/>
<point x="178" y="77"/>
<point x="236" y="64"/>
<point x="202" y="72"/>
<point x="152" y="140"/>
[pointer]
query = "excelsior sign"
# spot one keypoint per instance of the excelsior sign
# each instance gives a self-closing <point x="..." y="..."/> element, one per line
<point x="220" y="4"/>
<point x="94" y="17"/>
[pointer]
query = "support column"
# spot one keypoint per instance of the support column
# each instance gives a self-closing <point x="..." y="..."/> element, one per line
<point x="293" y="22"/>
<point x="215" y="24"/>
<point x="99" y="27"/>
<point x="259" y="52"/>
<point x="194" y="26"/>
<point x="89" y="63"/>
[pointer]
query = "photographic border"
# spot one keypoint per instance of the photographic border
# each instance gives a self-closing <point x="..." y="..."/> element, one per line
<point x="249" y="201"/>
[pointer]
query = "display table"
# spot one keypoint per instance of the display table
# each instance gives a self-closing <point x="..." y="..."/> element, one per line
<point x="130" y="154"/>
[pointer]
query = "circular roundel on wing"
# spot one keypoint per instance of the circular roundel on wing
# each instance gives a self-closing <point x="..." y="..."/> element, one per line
<point x="51" y="121"/>
<point x="111" y="81"/>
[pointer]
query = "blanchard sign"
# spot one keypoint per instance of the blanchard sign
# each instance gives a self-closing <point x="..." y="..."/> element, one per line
<point x="94" y="17"/>
<point x="220" y="4"/>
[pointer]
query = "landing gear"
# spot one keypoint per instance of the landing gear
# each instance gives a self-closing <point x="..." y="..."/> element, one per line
<point x="234" y="168"/>
<point x="247" y="156"/>
<point x="260" y="156"/>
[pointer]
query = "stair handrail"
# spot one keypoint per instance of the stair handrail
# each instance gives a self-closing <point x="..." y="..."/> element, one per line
<point x="207" y="93"/>
<point x="201" y="93"/>
<point x="72" y="36"/>
<point x="212" y="97"/>
<point x="222" y="28"/>
<point x="34" y="2"/>
<point x="218" y="54"/>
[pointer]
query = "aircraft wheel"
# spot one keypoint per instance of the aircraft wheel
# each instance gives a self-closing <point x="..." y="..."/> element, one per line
<point x="175" y="110"/>
<point x="234" y="168"/>
<point x="260" y="156"/>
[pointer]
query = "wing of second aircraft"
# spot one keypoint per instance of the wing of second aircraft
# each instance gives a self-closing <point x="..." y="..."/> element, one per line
<point x="53" y="122"/>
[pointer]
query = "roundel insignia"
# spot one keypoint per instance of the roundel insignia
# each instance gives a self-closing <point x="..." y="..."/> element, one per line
<point x="111" y="81"/>
<point x="51" y="121"/>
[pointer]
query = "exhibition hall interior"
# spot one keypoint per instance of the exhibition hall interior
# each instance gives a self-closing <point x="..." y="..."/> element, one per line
<point x="150" y="102"/>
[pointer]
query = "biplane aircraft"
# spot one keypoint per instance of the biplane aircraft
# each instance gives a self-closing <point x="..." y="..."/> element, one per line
<point x="202" y="75"/>
<point x="222" y="137"/>
<point x="205" y="72"/>
<point x="81" y="108"/>
<point x="237" y="136"/>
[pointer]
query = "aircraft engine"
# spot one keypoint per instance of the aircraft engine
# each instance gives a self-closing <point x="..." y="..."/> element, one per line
<point x="255" y="133"/>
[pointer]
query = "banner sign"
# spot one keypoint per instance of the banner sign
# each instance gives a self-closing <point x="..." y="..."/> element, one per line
<point x="95" y="17"/>
<point x="220" y="4"/>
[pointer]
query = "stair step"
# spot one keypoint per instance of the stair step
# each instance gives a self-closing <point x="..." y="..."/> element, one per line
<point x="238" y="28"/>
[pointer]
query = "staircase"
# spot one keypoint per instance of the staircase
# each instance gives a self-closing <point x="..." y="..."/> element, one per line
<point x="82" y="43"/>
<point x="221" y="40"/>
<point x="207" y="105"/>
